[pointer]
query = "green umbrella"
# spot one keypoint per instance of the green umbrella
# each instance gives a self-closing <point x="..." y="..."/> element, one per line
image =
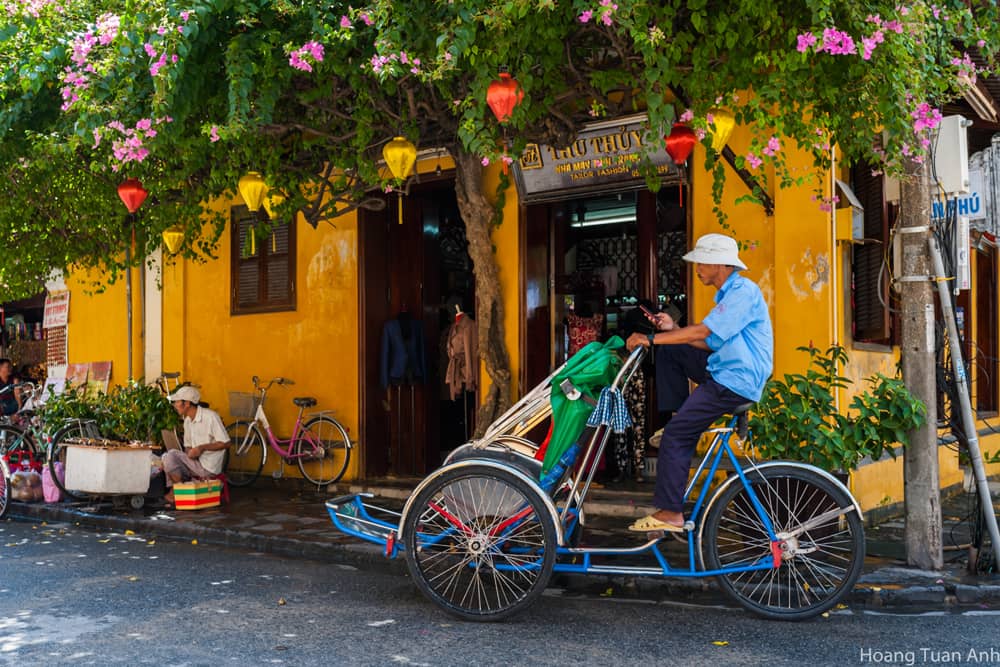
<point x="589" y="370"/>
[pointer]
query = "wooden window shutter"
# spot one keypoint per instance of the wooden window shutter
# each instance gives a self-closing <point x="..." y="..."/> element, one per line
<point x="262" y="267"/>
<point x="870" y="295"/>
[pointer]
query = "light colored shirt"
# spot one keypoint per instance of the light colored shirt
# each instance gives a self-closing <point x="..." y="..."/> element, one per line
<point x="206" y="427"/>
<point x="742" y="340"/>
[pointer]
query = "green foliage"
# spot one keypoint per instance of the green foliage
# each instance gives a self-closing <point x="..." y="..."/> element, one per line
<point x="797" y="417"/>
<point x="215" y="82"/>
<point x="132" y="412"/>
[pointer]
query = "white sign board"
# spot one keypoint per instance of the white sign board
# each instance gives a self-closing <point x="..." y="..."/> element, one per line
<point x="56" y="310"/>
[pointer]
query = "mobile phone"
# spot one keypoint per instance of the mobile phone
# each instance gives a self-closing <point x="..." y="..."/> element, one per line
<point x="650" y="315"/>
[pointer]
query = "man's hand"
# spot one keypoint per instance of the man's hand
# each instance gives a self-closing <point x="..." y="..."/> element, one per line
<point x="635" y="340"/>
<point x="194" y="452"/>
<point x="664" y="322"/>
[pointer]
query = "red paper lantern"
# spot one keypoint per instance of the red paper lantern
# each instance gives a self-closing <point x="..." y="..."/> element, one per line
<point x="132" y="194"/>
<point x="503" y="95"/>
<point x="680" y="142"/>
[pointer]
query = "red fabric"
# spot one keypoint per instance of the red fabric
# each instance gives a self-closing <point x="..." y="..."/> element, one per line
<point x="540" y="454"/>
<point x="583" y="330"/>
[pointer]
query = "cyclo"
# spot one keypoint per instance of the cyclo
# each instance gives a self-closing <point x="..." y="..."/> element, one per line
<point x="483" y="533"/>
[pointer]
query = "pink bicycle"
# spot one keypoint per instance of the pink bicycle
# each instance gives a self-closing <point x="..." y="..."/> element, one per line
<point x="320" y="446"/>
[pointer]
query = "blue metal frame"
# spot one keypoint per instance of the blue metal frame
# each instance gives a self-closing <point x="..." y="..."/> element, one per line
<point x="350" y="515"/>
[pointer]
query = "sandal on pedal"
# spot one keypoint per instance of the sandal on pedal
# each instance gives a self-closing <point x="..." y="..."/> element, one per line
<point x="650" y="524"/>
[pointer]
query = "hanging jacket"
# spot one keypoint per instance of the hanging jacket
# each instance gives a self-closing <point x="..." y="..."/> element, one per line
<point x="463" y="356"/>
<point x="402" y="357"/>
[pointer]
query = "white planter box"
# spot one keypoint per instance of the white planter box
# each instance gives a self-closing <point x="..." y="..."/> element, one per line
<point x="108" y="469"/>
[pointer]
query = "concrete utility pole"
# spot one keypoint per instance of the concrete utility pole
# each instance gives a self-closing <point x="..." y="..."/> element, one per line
<point x="920" y="458"/>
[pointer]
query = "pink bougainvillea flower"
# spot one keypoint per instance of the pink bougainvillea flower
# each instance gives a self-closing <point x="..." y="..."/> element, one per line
<point x="345" y="22"/>
<point x="686" y="117"/>
<point x="586" y="16"/>
<point x="805" y="40"/>
<point x="753" y="161"/>
<point x="366" y="19"/>
<point x="213" y="134"/>
<point x="185" y="15"/>
<point x="773" y="147"/>
<point x="486" y="161"/>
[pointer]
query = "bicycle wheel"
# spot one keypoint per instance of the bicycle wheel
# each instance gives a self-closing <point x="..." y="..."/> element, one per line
<point x="14" y="441"/>
<point x="820" y="535"/>
<point x="245" y="456"/>
<point x="324" y="450"/>
<point x="4" y="488"/>
<point x="479" y="542"/>
<point x="57" y="454"/>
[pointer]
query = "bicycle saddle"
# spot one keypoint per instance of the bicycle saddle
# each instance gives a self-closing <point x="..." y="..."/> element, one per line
<point x="304" y="401"/>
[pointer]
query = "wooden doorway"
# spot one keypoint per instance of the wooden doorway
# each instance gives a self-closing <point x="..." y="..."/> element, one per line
<point x="412" y="274"/>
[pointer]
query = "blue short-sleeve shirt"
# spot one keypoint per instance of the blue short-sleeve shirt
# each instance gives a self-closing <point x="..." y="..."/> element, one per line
<point x="741" y="339"/>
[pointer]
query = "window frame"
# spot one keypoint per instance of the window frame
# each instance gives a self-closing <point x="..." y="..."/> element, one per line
<point x="288" y="302"/>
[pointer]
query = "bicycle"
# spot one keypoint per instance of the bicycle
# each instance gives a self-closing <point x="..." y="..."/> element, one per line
<point x="320" y="446"/>
<point x="483" y="534"/>
<point x="4" y="488"/>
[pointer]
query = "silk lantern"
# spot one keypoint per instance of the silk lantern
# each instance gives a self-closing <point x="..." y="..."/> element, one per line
<point x="173" y="237"/>
<point x="503" y="95"/>
<point x="252" y="188"/>
<point x="680" y="142"/>
<point x="724" y="122"/>
<point x="400" y="155"/>
<point x="132" y="194"/>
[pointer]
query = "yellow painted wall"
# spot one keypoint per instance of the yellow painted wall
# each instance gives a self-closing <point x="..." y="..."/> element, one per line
<point x="315" y="345"/>
<point x="98" y="324"/>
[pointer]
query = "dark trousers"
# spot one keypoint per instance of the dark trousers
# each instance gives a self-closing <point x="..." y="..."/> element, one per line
<point x="675" y="365"/>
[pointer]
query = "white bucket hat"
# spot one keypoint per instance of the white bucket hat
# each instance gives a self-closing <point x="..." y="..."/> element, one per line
<point x="186" y="393"/>
<point x="716" y="249"/>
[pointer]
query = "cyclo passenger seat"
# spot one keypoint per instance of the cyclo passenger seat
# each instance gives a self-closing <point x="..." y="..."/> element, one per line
<point x="304" y="401"/>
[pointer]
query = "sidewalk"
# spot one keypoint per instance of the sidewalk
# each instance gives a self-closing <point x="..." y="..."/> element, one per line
<point x="291" y="521"/>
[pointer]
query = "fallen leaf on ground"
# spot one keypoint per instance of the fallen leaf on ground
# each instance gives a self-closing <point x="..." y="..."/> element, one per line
<point x="130" y="532"/>
<point x="133" y="578"/>
<point x="151" y="542"/>
<point x="194" y="541"/>
<point x="281" y="602"/>
<point x="104" y="541"/>
<point x="377" y="624"/>
<point x="720" y="643"/>
<point x="607" y="593"/>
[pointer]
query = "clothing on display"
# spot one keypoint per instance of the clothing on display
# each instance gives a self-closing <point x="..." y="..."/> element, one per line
<point x="463" y="356"/>
<point x="583" y="330"/>
<point x="402" y="358"/>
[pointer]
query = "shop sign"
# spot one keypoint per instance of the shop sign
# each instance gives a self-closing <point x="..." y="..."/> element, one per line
<point x="56" y="310"/>
<point x="968" y="205"/>
<point x="605" y="157"/>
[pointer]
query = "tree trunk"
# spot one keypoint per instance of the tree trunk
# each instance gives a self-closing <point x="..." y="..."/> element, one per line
<point x="479" y="214"/>
<point x="922" y="495"/>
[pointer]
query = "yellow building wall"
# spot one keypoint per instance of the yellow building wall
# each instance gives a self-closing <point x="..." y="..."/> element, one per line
<point x="97" y="328"/>
<point x="315" y="345"/>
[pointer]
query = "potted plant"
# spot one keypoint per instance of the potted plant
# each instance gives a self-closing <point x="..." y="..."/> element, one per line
<point x="797" y="418"/>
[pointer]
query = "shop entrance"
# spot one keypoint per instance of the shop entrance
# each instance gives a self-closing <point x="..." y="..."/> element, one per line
<point x="416" y="283"/>
<point x="589" y="262"/>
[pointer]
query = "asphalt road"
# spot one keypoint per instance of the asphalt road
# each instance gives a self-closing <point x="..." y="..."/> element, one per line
<point x="72" y="596"/>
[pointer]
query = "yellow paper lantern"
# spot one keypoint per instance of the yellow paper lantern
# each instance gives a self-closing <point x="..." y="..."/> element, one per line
<point x="271" y="202"/>
<point x="173" y="237"/>
<point x="724" y="122"/>
<point x="252" y="188"/>
<point x="400" y="155"/>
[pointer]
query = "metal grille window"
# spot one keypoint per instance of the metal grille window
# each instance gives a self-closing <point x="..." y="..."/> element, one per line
<point x="263" y="265"/>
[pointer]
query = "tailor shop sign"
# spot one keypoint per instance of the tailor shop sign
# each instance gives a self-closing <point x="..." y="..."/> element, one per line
<point x="971" y="205"/>
<point x="604" y="157"/>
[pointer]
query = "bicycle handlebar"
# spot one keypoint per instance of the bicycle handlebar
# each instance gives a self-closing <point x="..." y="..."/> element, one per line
<point x="275" y="380"/>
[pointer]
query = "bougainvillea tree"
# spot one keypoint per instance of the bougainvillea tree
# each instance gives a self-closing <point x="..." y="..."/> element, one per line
<point x="187" y="96"/>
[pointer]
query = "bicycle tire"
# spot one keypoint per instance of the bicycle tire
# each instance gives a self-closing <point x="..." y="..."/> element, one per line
<point x="14" y="440"/>
<point x="56" y="453"/>
<point x="818" y="567"/>
<point x="489" y="571"/>
<point x="329" y="466"/>
<point x="243" y="461"/>
<point x="4" y="488"/>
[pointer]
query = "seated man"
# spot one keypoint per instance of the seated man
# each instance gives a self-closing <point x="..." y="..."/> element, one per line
<point x="10" y="395"/>
<point x="205" y="442"/>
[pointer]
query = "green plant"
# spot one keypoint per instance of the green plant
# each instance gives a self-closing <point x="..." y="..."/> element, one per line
<point x="131" y="412"/>
<point x="797" y="417"/>
<point x="137" y="412"/>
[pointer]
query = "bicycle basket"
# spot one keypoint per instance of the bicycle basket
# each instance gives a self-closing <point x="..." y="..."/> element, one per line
<point x="242" y="404"/>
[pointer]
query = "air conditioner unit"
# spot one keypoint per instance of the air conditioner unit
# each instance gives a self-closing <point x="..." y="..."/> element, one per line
<point x="951" y="157"/>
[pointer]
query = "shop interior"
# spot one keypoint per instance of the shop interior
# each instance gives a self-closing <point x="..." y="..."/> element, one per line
<point x="22" y="336"/>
